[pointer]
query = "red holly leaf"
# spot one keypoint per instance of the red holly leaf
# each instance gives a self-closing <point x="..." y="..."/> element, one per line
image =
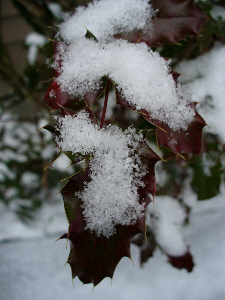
<point x="182" y="262"/>
<point x="174" y="20"/>
<point x="182" y="141"/>
<point x="92" y="258"/>
<point x="55" y="98"/>
<point x="91" y="97"/>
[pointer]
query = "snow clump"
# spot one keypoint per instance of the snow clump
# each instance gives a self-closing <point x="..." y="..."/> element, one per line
<point x="205" y="78"/>
<point x="105" y="18"/>
<point x="111" y="196"/>
<point x="142" y="76"/>
<point x="167" y="218"/>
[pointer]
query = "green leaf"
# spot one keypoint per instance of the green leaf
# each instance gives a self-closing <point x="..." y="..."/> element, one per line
<point x="207" y="175"/>
<point x="90" y="35"/>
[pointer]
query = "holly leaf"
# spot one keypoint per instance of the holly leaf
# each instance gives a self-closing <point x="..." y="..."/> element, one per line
<point x="90" y="98"/>
<point x="92" y="258"/>
<point x="149" y="245"/>
<point x="90" y="35"/>
<point x="174" y="20"/>
<point x="182" y="262"/>
<point x="206" y="175"/>
<point x="182" y="141"/>
<point x="55" y="98"/>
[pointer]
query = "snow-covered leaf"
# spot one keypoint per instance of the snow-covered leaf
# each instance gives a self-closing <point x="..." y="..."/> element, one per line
<point x="174" y="20"/>
<point x="93" y="257"/>
<point x="55" y="98"/>
<point x="181" y="141"/>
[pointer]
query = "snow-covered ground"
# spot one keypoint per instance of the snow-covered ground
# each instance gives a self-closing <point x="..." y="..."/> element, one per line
<point x="31" y="265"/>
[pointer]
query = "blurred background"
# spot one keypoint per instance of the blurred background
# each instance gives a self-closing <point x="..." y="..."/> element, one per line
<point x="31" y="209"/>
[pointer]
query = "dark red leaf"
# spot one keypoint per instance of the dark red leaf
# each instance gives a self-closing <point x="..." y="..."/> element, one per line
<point x="55" y="98"/>
<point x="182" y="262"/>
<point x="91" y="97"/>
<point x="182" y="141"/>
<point x="174" y="20"/>
<point x="93" y="258"/>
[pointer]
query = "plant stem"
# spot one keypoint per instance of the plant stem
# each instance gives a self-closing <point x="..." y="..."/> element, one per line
<point x="105" y="102"/>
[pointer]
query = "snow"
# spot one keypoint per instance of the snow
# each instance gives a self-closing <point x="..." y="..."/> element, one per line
<point x="111" y="196"/>
<point x="151" y="88"/>
<point x="32" y="266"/>
<point x="5" y="172"/>
<point x="205" y="77"/>
<point x="49" y="220"/>
<point x="167" y="217"/>
<point x="141" y="75"/>
<point x="218" y="11"/>
<point x="33" y="41"/>
<point x="56" y="10"/>
<point x="29" y="178"/>
<point x="34" y="38"/>
<point x="105" y="18"/>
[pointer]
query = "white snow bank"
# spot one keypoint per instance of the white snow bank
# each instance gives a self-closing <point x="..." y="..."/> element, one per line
<point x="50" y="219"/>
<point x="105" y="18"/>
<point x="33" y="269"/>
<point x="111" y="196"/>
<point x="205" y="77"/>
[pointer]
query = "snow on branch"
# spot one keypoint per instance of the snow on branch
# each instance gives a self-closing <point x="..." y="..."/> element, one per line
<point x="141" y="75"/>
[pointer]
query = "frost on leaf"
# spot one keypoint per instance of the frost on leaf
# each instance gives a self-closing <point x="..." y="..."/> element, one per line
<point x="94" y="257"/>
<point x="106" y="18"/>
<point x="56" y="97"/>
